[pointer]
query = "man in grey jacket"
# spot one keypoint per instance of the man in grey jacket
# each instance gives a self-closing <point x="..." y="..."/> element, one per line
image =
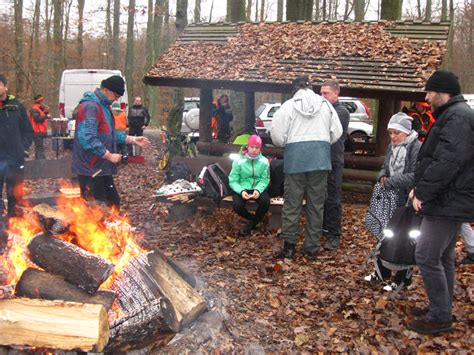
<point x="306" y="125"/>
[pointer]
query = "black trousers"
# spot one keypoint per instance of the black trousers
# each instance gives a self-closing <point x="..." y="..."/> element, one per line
<point x="12" y="177"/>
<point x="263" y="203"/>
<point x="100" y="188"/>
<point x="332" y="205"/>
<point x="135" y="130"/>
<point x="39" y="145"/>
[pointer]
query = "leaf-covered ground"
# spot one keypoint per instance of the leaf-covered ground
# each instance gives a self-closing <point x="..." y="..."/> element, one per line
<point x="303" y="305"/>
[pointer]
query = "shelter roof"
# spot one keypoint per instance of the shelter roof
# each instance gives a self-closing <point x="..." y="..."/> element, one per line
<point x="366" y="58"/>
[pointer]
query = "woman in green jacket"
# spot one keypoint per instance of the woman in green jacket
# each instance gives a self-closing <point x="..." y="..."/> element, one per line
<point x="249" y="179"/>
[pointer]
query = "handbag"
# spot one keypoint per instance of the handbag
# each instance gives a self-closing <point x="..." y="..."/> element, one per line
<point x="383" y="204"/>
<point x="399" y="237"/>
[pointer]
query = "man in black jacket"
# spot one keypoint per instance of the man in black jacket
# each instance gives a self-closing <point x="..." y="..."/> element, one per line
<point x="16" y="136"/>
<point x="444" y="195"/>
<point x="138" y="118"/>
<point x="332" y="206"/>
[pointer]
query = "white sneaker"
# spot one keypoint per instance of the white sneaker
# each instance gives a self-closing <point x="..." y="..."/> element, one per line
<point x="373" y="277"/>
<point x="390" y="287"/>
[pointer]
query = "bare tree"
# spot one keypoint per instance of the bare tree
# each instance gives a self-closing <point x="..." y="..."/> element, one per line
<point x="116" y="36"/>
<point x="18" y="8"/>
<point x="34" y="47"/>
<point x="197" y="11"/>
<point x="65" y="28"/>
<point x="248" y="10"/>
<point x="56" y="48"/>
<point x="280" y="10"/>
<point x="130" y="48"/>
<point x="299" y="10"/>
<point x="428" y="10"/>
<point x="262" y="10"/>
<point x="80" y="32"/>
<point x="359" y="6"/>
<point x="108" y="32"/>
<point x="391" y="9"/>
<point x="256" y="11"/>
<point x="210" y="12"/>
<point x="444" y="10"/>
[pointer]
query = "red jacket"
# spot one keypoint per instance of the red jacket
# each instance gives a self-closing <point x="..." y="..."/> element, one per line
<point x="38" y="118"/>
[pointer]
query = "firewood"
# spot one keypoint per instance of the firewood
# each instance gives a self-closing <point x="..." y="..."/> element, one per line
<point x="53" y="324"/>
<point x="52" y="219"/>
<point x="35" y="283"/>
<point x="78" y="267"/>
<point x="144" y="327"/>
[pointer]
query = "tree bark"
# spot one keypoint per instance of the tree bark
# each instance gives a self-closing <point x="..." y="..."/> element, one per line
<point x="116" y="36"/>
<point x="181" y="15"/>
<point x="19" y="75"/>
<point x="280" y="10"/>
<point x="444" y="10"/>
<point x="35" y="283"/>
<point x="53" y="324"/>
<point x="197" y="11"/>
<point x="130" y="48"/>
<point x="248" y="10"/>
<point x="299" y="10"/>
<point x="237" y="11"/>
<point x="108" y="33"/>
<point x="359" y="7"/>
<point x="262" y="10"/>
<point x="57" y="42"/>
<point x="66" y="10"/>
<point x="79" y="267"/>
<point x="391" y="10"/>
<point x="428" y="10"/>
<point x="80" y="32"/>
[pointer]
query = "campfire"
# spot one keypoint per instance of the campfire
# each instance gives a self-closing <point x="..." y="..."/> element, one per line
<point x="76" y="278"/>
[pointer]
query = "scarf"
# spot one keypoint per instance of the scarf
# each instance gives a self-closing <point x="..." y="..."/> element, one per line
<point x="396" y="163"/>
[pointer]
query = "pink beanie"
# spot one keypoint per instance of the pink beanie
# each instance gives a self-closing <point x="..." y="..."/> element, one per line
<point x="254" y="140"/>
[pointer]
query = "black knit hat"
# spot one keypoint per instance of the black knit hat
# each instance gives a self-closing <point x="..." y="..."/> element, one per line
<point x="38" y="98"/>
<point x="3" y="79"/>
<point x="443" y="81"/>
<point x="115" y="84"/>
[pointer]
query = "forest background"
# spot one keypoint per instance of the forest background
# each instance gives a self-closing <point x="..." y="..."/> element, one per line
<point x="44" y="37"/>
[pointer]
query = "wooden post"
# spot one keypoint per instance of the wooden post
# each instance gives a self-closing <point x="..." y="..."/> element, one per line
<point x="249" y="111"/>
<point x="386" y="107"/>
<point x="205" y="113"/>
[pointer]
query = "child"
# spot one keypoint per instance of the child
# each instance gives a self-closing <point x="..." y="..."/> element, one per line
<point x="249" y="179"/>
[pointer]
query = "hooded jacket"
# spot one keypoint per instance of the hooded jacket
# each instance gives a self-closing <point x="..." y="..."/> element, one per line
<point x="95" y="134"/>
<point x="306" y="126"/>
<point x="16" y="134"/>
<point x="249" y="174"/>
<point x="444" y="176"/>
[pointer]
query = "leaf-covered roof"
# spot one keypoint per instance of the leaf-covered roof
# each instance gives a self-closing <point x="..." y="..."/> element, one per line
<point x="388" y="56"/>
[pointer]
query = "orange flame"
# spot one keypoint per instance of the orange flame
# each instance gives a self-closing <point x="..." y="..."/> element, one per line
<point x="92" y="227"/>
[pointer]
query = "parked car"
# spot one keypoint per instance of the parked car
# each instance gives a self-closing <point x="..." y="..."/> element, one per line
<point x="470" y="100"/>
<point x="359" y="130"/>
<point x="75" y="82"/>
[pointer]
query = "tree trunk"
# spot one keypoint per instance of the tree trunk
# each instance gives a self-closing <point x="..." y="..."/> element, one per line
<point x="237" y="11"/>
<point x="197" y="11"/>
<point x="53" y="324"/>
<point x="79" y="267"/>
<point x="391" y="10"/>
<point x="149" y="51"/>
<point x="248" y="10"/>
<point x="80" y="32"/>
<point x="428" y="10"/>
<point x="299" y="10"/>
<point x="262" y="10"/>
<point x="280" y="10"/>
<point x="35" y="283"/>
<point x="34" y="48"/>
<point x="359" y="7"/>
<point x="210" y="11"/>
<point x="66" y="12"/>
<point x="317" y="10"/>
<point x="56" y="48"/>
<point x="130" y="48"/>
<point x="256" y="10"/>
<point x="108" y="32"/>
<point x="116" y="36"/>
<point x="444" y="10"/>
<point x="19" y="74"/>
<point x="181" y="15"/>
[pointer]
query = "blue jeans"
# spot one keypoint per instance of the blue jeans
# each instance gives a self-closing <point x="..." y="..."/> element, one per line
<point x="435" y="258"/>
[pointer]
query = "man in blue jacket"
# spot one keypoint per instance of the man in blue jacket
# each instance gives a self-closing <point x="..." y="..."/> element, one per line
<point x="444" y="195"/>
<point x="95" y="153"/>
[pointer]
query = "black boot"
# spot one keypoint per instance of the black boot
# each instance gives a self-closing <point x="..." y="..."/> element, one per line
<point x="247" y="229"/>
<point x="288" y="251"/>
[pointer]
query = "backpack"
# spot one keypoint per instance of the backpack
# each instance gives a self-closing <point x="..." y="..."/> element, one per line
<point x="177" y="171"/>
<point x="214" y="182"/>
<point x="277" y="178"/>
<point x="383" y="204"/>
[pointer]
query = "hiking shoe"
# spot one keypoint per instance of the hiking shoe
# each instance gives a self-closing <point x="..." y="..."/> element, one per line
<point x="468" y="259"/>
<point x="247" y="229"/>
<point x="430" y="327"/>
<point x="288" y="251"/>
<point x="311" y="254"/>
<point x="373" y="277"/>
<point x="419" y="311"/>
<point x="332" y="243"/>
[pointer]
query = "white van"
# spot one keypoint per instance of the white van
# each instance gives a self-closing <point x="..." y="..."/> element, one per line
<point x="75" y="82"/>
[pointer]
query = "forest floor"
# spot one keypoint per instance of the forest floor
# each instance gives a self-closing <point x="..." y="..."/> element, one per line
<point x="306" y="305"/>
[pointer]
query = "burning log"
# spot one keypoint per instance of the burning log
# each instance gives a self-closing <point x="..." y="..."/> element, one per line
<point x="145" y="327"/>
<point x="150" y="276"/>
<point x="79" y="267"/>
<point x="52" y="219"/>
<point x="35" y="283"/>
<point x="53" y="324"/>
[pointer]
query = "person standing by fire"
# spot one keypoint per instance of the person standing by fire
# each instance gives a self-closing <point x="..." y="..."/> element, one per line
<point x="95" y="153"/>
<point x="39" y="121"/>
<point x="16" y="136"/>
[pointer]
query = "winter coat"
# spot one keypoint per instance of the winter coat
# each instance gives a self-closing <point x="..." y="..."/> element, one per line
<point x="95" y="134"/>
<point x="406" y="181"/>
<point x="39" y="119"/>
<point x="306" y="126"/>
<point x="444" y="176"/>
<point x="337" y="148"/>
<point x="16" y="134"/>
<point x="138" y="116"/>
<point x="249" y="174"/>
<point x="120" y="120"/>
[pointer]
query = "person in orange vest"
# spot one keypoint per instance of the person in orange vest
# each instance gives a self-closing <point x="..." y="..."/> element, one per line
<point x="39" y="116"/>
<point x="214" y="125"/>
<point x="422" y="118"/>
<point x="120" y="119"/>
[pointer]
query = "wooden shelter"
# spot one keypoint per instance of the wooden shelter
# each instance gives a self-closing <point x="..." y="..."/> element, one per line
<point x="388" y="61"/>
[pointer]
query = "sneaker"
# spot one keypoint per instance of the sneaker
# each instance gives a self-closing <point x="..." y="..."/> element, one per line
<point x="391" y="287"/>
<point x="373" y="277"/>
<point x="430" y="327"/>
<point x="468" y="259"/>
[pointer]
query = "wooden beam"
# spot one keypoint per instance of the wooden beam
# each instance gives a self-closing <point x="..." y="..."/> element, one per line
<point x="205" y="113"/>
<point x="386" y="110"/>
<point x="53" y="324"/>
<point x="249" y="111"/>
